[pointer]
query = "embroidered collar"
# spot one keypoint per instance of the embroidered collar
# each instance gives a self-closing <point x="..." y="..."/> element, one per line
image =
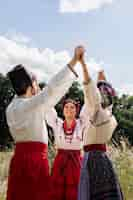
<point x="70" y="130"/>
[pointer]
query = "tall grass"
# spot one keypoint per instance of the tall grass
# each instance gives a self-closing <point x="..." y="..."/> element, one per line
<point x="121" y="157"/>
<point x="4" y="165"/>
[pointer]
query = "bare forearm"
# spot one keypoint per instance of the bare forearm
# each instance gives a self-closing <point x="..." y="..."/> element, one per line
<point x="101" y="75"/>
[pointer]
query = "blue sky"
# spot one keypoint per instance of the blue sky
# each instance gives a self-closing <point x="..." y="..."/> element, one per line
<point x="105" y="31"/>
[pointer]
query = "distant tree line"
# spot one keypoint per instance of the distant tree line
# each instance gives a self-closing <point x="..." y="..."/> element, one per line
<point x="123" y="110"/>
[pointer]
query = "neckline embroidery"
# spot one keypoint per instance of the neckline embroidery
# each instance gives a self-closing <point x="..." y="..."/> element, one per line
<point x="69" y="138"/>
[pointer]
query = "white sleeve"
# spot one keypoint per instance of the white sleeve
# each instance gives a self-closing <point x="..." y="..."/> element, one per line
<point x="51" y="118"/>
<point x="84" y="115"/>
<point x="92" y="97"/>
<point x="100" y="118"/>
<point x="51" y="94"/>
<point x="98" y="115"/>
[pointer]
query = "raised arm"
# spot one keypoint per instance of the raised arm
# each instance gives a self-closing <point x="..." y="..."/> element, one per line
<point x="52" y="118"/>
<point x="101" y="118"/>
<point x="91" y="93"/>
<point x="55" y="89"/>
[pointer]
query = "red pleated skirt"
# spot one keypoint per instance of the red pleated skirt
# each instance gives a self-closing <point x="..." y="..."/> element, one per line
<point x="29" y="172"/>
<point x="65" y="175"/>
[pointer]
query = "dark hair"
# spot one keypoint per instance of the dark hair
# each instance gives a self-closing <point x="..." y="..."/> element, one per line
<point x="107" y="93"/>
<point x="76" y="103"/>
<point x="20" y="79"/>
<point x="42" y="85"/>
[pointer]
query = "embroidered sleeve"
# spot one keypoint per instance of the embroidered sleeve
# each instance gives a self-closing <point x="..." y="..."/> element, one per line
<point x="52" y="118"/>
<point x="51" y="94"/>
<point x="84" y="115"/>
<point x="92" y="97"/>
<point x="98" y="116"/>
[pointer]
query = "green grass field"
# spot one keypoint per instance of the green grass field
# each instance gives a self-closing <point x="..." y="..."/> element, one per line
<point x="122" y="159"/>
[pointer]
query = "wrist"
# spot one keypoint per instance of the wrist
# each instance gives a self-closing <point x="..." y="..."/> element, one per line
<point x="84" y="67"/>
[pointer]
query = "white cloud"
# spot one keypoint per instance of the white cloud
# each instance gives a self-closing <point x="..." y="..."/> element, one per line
<point x="44" y="63"/>
<point x="81" y="5"/>
<point x="17" y="37"/>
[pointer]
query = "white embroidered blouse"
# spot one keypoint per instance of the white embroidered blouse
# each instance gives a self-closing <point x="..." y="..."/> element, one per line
<point x="25" y="116"/>
<point x="72" y="142"/>
<point x="102" y="123"/>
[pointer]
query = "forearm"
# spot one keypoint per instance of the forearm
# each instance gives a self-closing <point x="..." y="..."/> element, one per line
<point x="92" y="97"/>
<point x="91" y="93"/>
<point x="86" y="74"/>
<point x="57" y="87"/>
<point x="90" y="90"/>
<point x="101" y="76"/>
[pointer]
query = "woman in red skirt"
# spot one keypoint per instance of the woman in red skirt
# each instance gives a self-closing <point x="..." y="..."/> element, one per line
<point x="68" y="140"/>
<point x="29" y="169"/>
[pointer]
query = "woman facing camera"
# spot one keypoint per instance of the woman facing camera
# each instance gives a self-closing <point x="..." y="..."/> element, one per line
<point x="68" y="140"/>
<point x="98" y="180"/>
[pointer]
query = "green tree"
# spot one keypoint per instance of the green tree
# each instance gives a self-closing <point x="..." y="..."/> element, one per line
<point x="6" y="95"/>
<point x="123" y="110"/>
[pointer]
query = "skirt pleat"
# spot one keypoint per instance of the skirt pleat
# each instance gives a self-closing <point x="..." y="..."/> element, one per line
<point x="29" y="173"/>
<point x="65" y="175"/>
<point x="98" y="180"/>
